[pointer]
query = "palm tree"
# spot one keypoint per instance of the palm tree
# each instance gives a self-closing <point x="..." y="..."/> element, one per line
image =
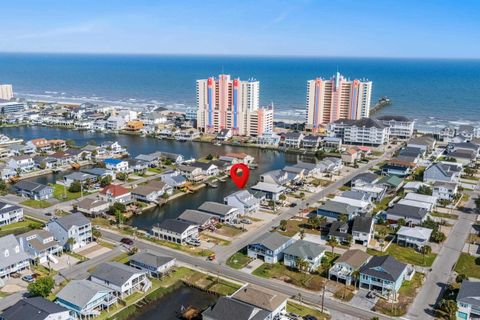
<point x="332" y="242"/>
<point x="302" y="264"/>
<point x="70" y="242"/>
<point x="283" y="225"/>
<point x="355" y="276"/>
<point x="425" y="251"/>
<point x="314" y="221"/>
<point x="302" y="234"/>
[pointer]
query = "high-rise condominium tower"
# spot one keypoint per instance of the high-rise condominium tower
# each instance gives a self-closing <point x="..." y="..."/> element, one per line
<point x="6" y="91"/>
<point x="226" y="103"/>
<point x="337" y="98"/>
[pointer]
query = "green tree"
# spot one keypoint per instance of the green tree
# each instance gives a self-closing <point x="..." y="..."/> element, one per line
<point x="117" y="206"/>
<point x="314" y="221"/>
<point x="282" y="197"/>
<point x="302" y="233"/>
<point x="41" y="287"/>
<point x="3" y="187"/>
<point x="122" y="176"/>
<point x="75" y="186"/>
<point x="438" y="236"/>
<point x="70" y="143"/>
<point x="426" y="250"/>
<point x="448" y="308"/>
<point x="343" y="218"/>
<point x="461" y="277"/>
<point x="349" y="240"/>
<point x="105" y="181"/>
<point x="332" y="242"/>
<point x="119" y="217"/>
<point x="209" y="157"/>
<point x="96" y="233"/>
<point x="70" y="243"/>
<point x="302" y="264"/>
<point x="42" y="165"/>
<point x="469" y="171"/>
<point x="425" y="190"/>
<point x="355" y="276"/>
<point x="283" y="225"/>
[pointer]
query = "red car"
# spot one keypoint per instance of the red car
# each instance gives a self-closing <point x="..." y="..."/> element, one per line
<point x="127" y="241"/>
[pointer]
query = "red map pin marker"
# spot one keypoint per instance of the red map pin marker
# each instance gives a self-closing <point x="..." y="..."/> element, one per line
<point x="239" y="174"/>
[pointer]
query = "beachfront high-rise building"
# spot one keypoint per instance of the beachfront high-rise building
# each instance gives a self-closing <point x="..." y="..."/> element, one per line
<point x="226" y="103"/>
<point x="337" y="98"/>
<point x="6" y="92"/>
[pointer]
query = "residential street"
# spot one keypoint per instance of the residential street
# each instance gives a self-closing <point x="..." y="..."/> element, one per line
<point x="437" y="279"/>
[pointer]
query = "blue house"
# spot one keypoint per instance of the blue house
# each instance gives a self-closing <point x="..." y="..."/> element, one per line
<point x="384" y="274"/>
<point x="269" y="247"/>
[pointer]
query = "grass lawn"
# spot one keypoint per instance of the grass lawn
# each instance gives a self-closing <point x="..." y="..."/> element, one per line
<point x="406" y="295"/>
<point x="228" y="231"/>
<point x="345" y="293"/>
<point x="302" y="310"/>
<point x="312" y="282"/>
<point x="215" y="240"/>
<point x="37" y="204"/>
<point x="76" y="256"/>
<point x="238" y="260"/>
<point x="61" y="193"/>
<point x="105" y="244"/>
<point x="383" y="204"/>
<point x="444" y="215"/>
<point x="406" y="255"/>
<point x="185" y="248"/>
<point x="294" y="226"/>
<point x="468" y="265"/>
<point x="155" y="170"/>
<point x="20" y="227"/>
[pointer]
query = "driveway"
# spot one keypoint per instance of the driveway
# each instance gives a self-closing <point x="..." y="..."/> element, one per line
<point x="360" y="300"/>
<point x="252" y="266"/>
<point x="64" y="261"/>
<point x="93" y="250"/>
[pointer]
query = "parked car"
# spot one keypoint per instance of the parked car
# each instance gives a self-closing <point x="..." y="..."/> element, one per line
<point x="246" y="221"/>
<point x="309" y="317"/>
<point x="127" y="241"/>
<point x="28" y="278"/>
<point x="293" y="205"/>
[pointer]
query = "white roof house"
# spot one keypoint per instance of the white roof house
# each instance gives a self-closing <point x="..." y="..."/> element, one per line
<point x="421" y="200"/>
<point x="415" y="232"/>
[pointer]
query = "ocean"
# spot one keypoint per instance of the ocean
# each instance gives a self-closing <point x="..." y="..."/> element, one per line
<point x="431" y="91"/>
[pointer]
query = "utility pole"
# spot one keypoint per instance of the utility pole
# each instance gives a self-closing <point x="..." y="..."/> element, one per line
<point x="323" y="296"/>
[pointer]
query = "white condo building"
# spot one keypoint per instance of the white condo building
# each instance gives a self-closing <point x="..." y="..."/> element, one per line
<point x="225" y="103"/>
<point x="337" y="98"/>
<point x="6" y="92"/>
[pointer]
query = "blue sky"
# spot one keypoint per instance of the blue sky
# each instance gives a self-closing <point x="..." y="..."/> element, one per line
<point x="352" y="28"/>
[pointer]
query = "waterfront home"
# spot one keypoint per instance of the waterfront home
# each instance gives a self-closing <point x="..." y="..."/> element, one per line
<point x="137" y="166"/>
<point x="307" y="251"/>
<point x="116" y="165"/>
<point x="363" y="230"/>
<point x="33" y="190"/>
<point x="92" y="207"/>
<point x="81" y="177"/>
<point x="311" y="142"/>
<point x="426" y="143"/>
<point x="13" y="257"/>
<point x="84" y="125"/>
<point x="145" y="193"/>
<point x="18" y="149"/>
<point x="224" y="134"/>
<point x="331" y="143"/>
<point x="411" y="215"/>
<point x="309" y="169"/>
<point x="275" y="303"/>
<point x="192" y="173"/>
<point x="365" y="131"/>
<point x="240" y="157"/>
<point x="45" y="162"/>
<point x="269" y="247"/>
<point x="416" y="237"/>
<point x="187" y="135"/>
<point x="332" y="164"/>
<point x="115" y="123"/>
<point x="228" y="308"/>
<point x="202" y="219"/>
<point x="72" y="232"/>
<point x="176" y="231"/>
<point x="443" y="171"/>
<point x="99" y="173"/>
<point x="173" y="179"/>
<point x="384" y="274"/>
<point x="62" y="158"/>
<point x="21" y="164"/>
<point x="113" y="147"/>
<point x="40" y="245"/>
<point x="40" y="144"/>
<point x="85" y="298"/>
<point x="278" y="177"/>
<point x="153" y="118"/>
<point x="10" y="213"/>
<point x="293" y="139"/>
<point x="225" y="213"/>
<point x="445" y="190"/>
<point x="36" y="308"/>
<point x="99" y="125"/>
<point x="343" y="267"/>
<point x="332" y="210"/>
<point x="468" y="300"/>
<point x="400" y="127"/>
<point x="123" y="279"/>
<point x="244" y="201"/>
<point x="269" y="138"/>
<point x="155" y="265"/>
<point x="173" y="157"/>
<point x="151" y="160"/>
<point x="272" y="191"/>
<point x="134" y="125"/>
<point x="6" y="172"/>
<point x="116" y="193"/>
<point x="208" y="169"/>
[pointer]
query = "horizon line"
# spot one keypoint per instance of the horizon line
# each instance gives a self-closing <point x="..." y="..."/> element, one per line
<point x="244" y="55"/>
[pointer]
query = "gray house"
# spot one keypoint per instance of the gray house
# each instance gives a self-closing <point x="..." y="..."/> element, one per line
<point x="444" y="172"/>
<point x="36" y="308"/>
<point x="33" y="190"/>
<point x="225" y="213"/>
<point x="307" y="251"/>
<point x="468" y="300"/>
<point x="12" y="256"/>
<point x="412" y="215"/>
<point x="269" y="247"/>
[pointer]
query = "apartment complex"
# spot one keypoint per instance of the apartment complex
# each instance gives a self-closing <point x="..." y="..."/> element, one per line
<point x="337" y="98"/>
<point x="365" y="131"/>
<point x="227" y="103"/>
<point x="6" y="92"/>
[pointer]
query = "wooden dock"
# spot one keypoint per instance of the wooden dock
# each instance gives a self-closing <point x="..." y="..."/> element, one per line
<point x="382" y="102"/>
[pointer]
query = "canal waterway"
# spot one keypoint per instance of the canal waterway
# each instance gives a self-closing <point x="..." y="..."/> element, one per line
<point x="167" y="307"/>
<point x="266" y="159"/>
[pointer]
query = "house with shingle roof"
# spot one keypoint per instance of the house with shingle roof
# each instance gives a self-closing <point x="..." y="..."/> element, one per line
<point x="362" y="230"/>
<point x="177" y="231"/>
<point x="384" y="274"/>
<point x="10" y="213"/>
<point x="269" y="247"/>
<point x="116" y="193"/>
<point x="468" y="300"/>
<point x="92" y="207"/>
<point x="348" y="262"/>
<point x="416" y="237"/>
<point x="36" y="308"/>
<point x="411" y="215"/>
<point x="225" y="213"/>
<point x="155" y="265"/>
<point x="74" y="226"/>
<point x="40" y="245"/>
<point x="228" y="308"/>
<point x="263" y="298"/>
<point x="123" y="279"/>
<point x="443" y="171"/>
<point x="307" y="251"/>
<point x="85" y="298"/>
<point x="12" y="256"/>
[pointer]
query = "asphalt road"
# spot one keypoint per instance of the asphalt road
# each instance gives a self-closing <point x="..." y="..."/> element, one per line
<point x="437" y="280"/>
<point x="335" y="307"/>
